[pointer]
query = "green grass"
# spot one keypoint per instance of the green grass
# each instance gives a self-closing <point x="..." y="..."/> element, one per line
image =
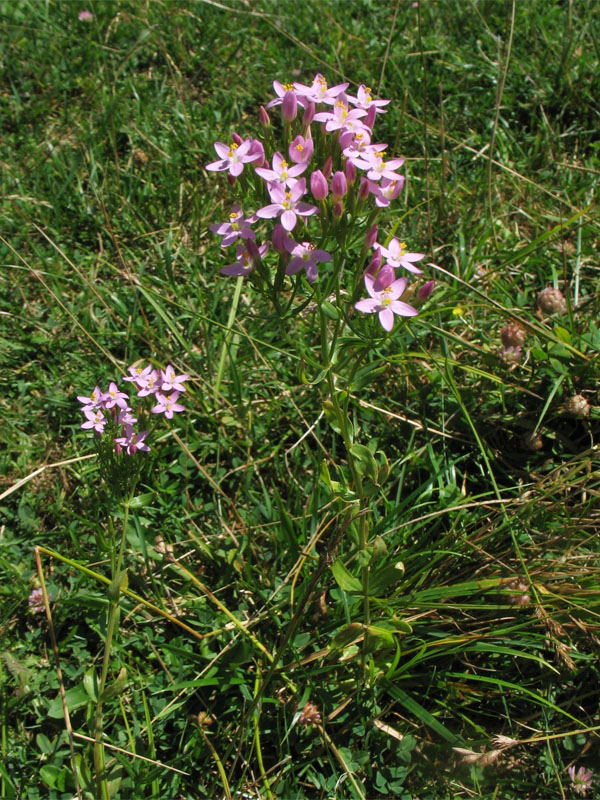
<point x="107" y="258"/>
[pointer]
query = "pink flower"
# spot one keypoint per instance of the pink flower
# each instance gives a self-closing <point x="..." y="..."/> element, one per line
<point x="318" y="185"/>
<point x="581" y="780"/>
<point x="287" y="204"/>
<point x="149" y="383"/>
<point x="398" y="257"/>
<point x="318" y="91"/>
<point x="91" y="402"/>
<point x="167" y="404"/>
<point x="236" y="228"/>
<point x="301" y="150"/>
<point x="233" y="157"/>
<point x="341" y="117"/>
<point x="385" y="302"/>
<point x="364" y="100"/>
<point x="282" y="172"/>
<point x="247" y="255"/>
<point x="386" y="191"/>
<point x="85" y="16"/>
<point x="171" y="381"/>
<point x="138" y="375"/>
<point x="305" y="255"/>
<point x="114" y="397"/>
<point x="95" y="420"/>
<point x="280" y="90"/>
<point x="36" y="601"/>
<point x="339" y="185"/>
<point x="289" y="106"/>
<point x="132" y="441"/>
<point x="377" y="167"/>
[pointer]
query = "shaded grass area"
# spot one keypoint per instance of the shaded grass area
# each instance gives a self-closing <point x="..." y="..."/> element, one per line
<point x="491" y="504"/>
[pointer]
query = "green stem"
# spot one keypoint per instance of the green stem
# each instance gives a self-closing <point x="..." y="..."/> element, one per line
<point x="99" y="754"/>
<point x="232" y="313"/>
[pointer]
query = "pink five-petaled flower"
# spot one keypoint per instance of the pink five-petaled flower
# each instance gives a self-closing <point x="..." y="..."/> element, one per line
<point x="282" y="172"/>
<point x="377" y="167"/>
<point x="91" y="402"/>
<point x="171" y="381"/>
<point x="398" y="257"/>
<point x="318" y="91"/>
<point x="305" y="255"/>
<point x="114" y="397"/>
<point x="247" y="255"/>
<point x="95" y="420"/>
<point x="236" y="228"/>
<point x="385" y="302"/>
<point x="580" y="780"/>
<point x="301" y="150"/>
<point x="131" y="441"/>
<point x="386" y="191"/>
<point x="365" y="100"/>
<point x="149" y="384"/>
<point x="233" y="157"/>
<point x="280" y="91"/>
<point x="138" y="375"/>
<point x="167" y="404"/>
<point x="341" y="117"/>
<point x="286" y="203"/>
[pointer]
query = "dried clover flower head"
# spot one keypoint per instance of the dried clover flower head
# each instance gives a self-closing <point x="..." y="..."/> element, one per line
<point x="551" y="301"/>
<point x="309" y="715"/>
<point x="513" y="335"/>
<point x="511" y="355"/>
<point x="532" y="442"/>
<point x="577" y="406"/>
<point x="36" y="601"/>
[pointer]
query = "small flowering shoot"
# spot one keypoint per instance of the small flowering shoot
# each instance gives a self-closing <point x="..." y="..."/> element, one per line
<point x="581" y="780"/>
<point x="111" y="418"/>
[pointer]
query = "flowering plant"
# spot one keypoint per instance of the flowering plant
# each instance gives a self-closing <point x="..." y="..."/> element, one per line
<point x="323" y="179"/>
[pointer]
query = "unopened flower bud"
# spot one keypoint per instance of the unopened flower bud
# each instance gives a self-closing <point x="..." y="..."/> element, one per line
<point x="338" y="209"/>
<point x="513" y="335"/>
<point x="339" y="186"/>
<point x="235" y="137"/>
<point x="551" y="301"/>
<point x="371" y="236"/>
<point x="279" y="238"/>
<point x="425" y="290"/>
<point x="318" y="185"/>
<point x="370" y="118"/>
<point x="350" y="171"/>
<point x="309" y="113"/>
<point x="264" y="117"/>
<point x="328" y="167"/>
<point x="289" y="106"/>
<point x="375" y="262"/>
<point x="257" y="147"/>
<point x="385" y="277"/>
<point x="363" y="191"/>
<point x="577" y="406"/>
<point x="230" y="179"/>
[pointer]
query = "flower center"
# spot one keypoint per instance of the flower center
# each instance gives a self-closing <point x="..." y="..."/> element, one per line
<point x="232" y="148"/>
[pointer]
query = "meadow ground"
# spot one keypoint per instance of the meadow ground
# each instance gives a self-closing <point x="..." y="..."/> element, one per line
<point x="242" y="664"/>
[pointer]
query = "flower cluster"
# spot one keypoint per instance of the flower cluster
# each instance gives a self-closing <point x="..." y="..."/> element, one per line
<point x="349" y="176"/>
<point x="111" y="408"/>
<point x="581" y="779"/>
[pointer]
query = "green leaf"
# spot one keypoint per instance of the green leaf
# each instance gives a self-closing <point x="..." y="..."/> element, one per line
<point x="344" y="579"/>
<point x="330" y="310"/>
<point x="75" y="697"/>
<point x="117" y="686"/>
<point x="54" y="777"/>
<point x="118" y="582"/>
<point x="365" y="461"/>
<point x="421" y="713"/>
<point x="347" y="635"/>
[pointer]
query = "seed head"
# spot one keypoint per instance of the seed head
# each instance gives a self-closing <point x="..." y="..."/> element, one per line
<point x="551" y="301"/>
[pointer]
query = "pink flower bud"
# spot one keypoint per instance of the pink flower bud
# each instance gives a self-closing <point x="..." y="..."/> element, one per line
<point x="289" y="106"/>
<point x="371" y="236"/>
<point x="237" y="138"/>
<point x="339" y="187"/>
<point x="264" y="117"/>
<point x="363" y="191"/>
<point x="375" y="262"/>
<point x="425" y="291"/>
<point x="309" y="113"/>
<point x="385" y="277"/>
<point x="370" y="118"/>
<point x="350" y="171"/>
<point x="338" y="209"/>
<point x="230" y="179"/>
<point x="257" y="147"/>
<point x="318" y="185"/>
<point x="328" y="167"/>
<point x="279" y="238"/>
